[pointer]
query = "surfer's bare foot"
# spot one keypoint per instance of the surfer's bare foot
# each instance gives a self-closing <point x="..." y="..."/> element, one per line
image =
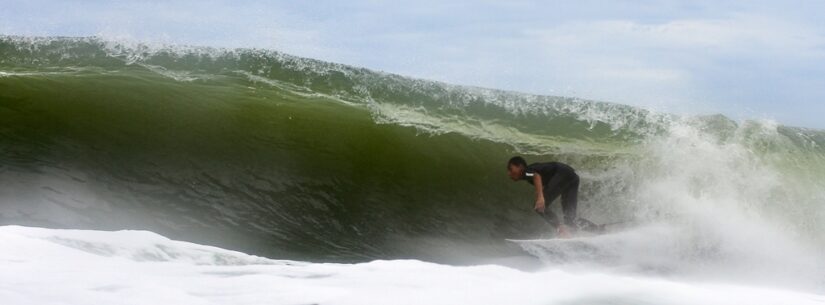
<point x="562" y="232"/>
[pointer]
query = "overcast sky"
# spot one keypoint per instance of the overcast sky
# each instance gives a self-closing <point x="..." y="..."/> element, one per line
<point x="745" y="59"/>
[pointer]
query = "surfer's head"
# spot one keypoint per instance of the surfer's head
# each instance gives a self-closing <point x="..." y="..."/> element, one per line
<point x="515" y="168"/>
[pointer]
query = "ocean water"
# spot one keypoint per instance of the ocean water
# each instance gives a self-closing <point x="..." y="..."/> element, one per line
<point x="349" y="186"/>
<point x="52" y="266"/>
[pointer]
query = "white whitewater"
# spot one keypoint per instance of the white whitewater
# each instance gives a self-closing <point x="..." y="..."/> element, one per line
<point x="51" y="266"/>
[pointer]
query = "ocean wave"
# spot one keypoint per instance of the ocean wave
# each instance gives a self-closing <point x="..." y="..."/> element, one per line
<point x="296" y="158"/>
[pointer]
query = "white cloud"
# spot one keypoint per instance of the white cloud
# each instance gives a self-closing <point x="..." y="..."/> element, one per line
<point x="662" y="65"/>
<point x="741" y="33"/>
<point x="699" y="57"/>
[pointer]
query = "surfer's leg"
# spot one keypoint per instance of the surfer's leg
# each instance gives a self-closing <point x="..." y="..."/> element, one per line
<point x="550" y="194"/>
<point x="569" y="201"/>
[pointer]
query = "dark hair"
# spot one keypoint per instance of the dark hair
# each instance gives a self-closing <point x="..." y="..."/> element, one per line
<point x="516" y="161"/>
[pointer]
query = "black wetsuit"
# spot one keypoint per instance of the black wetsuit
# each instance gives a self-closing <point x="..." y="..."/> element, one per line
<point x="559" y="179"/>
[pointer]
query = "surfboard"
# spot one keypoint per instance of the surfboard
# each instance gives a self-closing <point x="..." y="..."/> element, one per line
<point x="609" y="228"/>
<point x="572" y="238"/>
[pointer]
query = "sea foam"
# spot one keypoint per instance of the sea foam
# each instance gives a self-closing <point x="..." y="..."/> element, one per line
<point x="52" y="266"/>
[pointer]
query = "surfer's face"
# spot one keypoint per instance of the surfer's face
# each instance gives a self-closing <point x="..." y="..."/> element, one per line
<point x="515" y="171"/>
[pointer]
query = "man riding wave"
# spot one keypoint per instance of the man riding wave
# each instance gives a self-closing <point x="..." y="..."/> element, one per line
<point x="551" y="180"/>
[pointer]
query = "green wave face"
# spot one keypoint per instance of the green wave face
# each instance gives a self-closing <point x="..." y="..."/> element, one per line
<point x="296" y="158"/>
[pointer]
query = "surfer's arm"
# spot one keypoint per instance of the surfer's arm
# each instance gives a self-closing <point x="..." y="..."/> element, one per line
<point x="539" y="193"/>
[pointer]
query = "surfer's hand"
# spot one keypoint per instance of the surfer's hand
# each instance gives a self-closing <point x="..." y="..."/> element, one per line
<point x="539" y="206"/>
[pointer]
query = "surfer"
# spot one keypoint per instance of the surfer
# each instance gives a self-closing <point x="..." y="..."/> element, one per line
<point x="553" y="179"/>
